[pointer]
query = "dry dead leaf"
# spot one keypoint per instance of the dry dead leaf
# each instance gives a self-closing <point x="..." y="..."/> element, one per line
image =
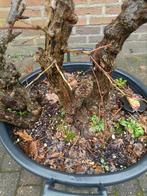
<point x="29" y="69"/>
<point x="34" y="149"/>
<point x="24" y="135"/>
<point x="134" y="102"/>
<point x="40" y="157"/>
<point x="98" y="168"/>
<point x="52" y="97"/>
<point x="55" y="155"/>
<point x="71" y="80"/>
<point x="138" y="149"/>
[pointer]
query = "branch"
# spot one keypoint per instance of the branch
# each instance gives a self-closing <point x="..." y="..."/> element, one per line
<point x="86" y="52"/>
<point x="40" y="75"/>
<point x="28" y="28"/>
<point x="132" y="16"/>
<point x="16" y="11"/>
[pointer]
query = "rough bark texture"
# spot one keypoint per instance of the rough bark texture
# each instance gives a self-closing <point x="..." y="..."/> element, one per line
<point x="16" y="106"/>
<point x="132" y="16"/>
<point x="61" y="19"/>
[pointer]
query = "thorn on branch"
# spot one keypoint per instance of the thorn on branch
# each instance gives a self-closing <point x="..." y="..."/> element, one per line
<point x="23" y="17"/>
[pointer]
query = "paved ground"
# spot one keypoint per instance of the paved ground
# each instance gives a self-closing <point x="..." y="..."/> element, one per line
<point x="15" y="181"/>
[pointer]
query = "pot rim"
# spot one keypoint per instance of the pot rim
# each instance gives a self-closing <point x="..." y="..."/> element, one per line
<point x="74" y="179"/>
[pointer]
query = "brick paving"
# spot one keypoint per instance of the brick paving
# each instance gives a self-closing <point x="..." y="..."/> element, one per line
<point x="16" y="181"/>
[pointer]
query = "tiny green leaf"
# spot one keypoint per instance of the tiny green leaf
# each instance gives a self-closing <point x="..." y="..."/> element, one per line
<point x="120" y="82"/>
<point x="97" y="124"/>
<point x="133" y="127"/>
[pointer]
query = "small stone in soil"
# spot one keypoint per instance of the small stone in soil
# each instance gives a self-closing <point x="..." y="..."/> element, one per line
<point x="45" y="145"/>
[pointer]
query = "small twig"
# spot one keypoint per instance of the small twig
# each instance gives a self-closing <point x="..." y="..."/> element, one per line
<point x="78" y="51"/>
<point x="37" y="26"/>
<point x="40" y="75"/>
<point x="108" y="76"/>
<point x="101" y="47"/>
<point x="75" y="142"/>
<point x="132" y="116"/>
<point x="37" y="36"/>
<point x="143" y="100"/>
<point x="28" y="28"/>
<point x="99" y="89"/>
<point x="117" y="112"/>
<point x="63" y="77"/>
<point x="82" y="51"/>
<point x="113" y="82"/>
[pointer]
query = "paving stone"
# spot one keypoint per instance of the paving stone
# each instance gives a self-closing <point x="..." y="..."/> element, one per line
<point x="8" y="164"/>
<point x="145" y="194"/>
<point x="28" y="178"/>
<point x="130" y="188"/>
<point x="143" y="181"/>
<point x="111" y="190"/>
<point x="28" y="191"/>
<point x="2" y="152"/>
<point x="83" y="190"/>
<point x="75" y="189"/>
<point x="8" y="183"/>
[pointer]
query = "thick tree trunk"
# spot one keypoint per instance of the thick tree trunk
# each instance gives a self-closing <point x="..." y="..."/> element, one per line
<point x="16" y="106"/>
<point x="61" y="18"/>
<point x="132" y="16"/>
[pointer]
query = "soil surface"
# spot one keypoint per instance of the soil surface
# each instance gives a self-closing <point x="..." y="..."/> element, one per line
<point x="113" y="141"/>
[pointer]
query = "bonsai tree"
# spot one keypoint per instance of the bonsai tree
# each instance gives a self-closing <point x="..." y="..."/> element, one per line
<point x="75" y="97"/>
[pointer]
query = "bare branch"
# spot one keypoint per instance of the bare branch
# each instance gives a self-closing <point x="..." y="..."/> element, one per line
<point x="16" y="11"/>
<point x="132" y="16"/>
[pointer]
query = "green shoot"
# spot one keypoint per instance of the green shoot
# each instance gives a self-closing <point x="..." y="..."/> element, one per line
<point x="62" y="114"/>
<point x="120" y="82"/>
<point x="104" y="164"/>
<point x="69" y="135"/>
<point x="97" y="124"/>
<point x="133" y="127"/>
<point x="19" y="113"/>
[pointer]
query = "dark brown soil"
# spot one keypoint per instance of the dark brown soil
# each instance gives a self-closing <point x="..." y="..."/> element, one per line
<point x="60" y="146"/>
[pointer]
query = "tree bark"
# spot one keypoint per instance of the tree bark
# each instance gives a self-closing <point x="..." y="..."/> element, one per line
<point x="14" y="98"/>
<point x="61" y="19"/>
<point x="132" y="16"/>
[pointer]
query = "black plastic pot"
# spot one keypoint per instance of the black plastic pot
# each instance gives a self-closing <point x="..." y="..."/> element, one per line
<point x="52" y="176"/>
